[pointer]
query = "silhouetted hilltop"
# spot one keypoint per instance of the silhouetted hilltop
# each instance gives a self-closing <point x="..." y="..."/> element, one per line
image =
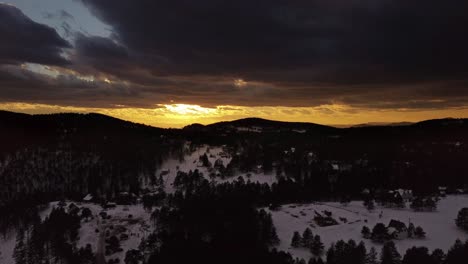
<point x="80" y="130"/>
<point x="262" y="125"/>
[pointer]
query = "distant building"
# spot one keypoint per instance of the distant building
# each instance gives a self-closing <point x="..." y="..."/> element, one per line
<point x="341" y="167"/>
<point x="110" y="205"/>
<point x="335" y="167"/>
<point x="258" y="169"/>
<point x="88" y="198"/>
<point x="164" y="172"/>
<point x="442" y="191"/>
<point x="219" y="163"/>
<point x="301" y="131"/>
<point x="406" y="195"/>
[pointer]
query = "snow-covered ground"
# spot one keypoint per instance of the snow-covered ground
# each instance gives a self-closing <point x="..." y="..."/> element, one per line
<point x="191" y="162"/>
<point x="441" y="231"/>
<point x="135" y="227"/>
<point x="131" y="220"/>
<point x="7" y="245"/>
<point x="440" y="227"/>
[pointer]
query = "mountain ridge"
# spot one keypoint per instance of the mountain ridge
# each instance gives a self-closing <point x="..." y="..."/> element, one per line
<point x="250" y="121"/>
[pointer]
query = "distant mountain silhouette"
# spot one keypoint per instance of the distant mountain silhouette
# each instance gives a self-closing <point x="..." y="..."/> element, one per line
<point x="94" y="121"/>
<point x="265" y="125"/>
<point x="380" y="124"/>
<point x="19" y="130"/>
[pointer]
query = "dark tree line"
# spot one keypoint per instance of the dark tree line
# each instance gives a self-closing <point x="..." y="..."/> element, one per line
<point x="210" y="224"/>
<point x="309" y="241"/>
<point x="53" y="240"/>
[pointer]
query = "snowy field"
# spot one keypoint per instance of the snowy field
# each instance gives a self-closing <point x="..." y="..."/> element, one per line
<point x="7" y="245"/>
<point x="441" y="231"/>
<point x="135" y="227"/>
<point x="191" y="162"/>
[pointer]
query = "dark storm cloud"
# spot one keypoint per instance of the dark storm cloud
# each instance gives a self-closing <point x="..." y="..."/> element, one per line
<point x="394" y="40"/>
<point x="365" y="53"/>
<point x="99" y="48"/>
<point x="301" y="52"/>
<point x="23" y="40"/>
<point x="21" y="85"/>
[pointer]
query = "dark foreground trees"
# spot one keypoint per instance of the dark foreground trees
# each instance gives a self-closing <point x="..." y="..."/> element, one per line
<point x="462" y="219"/>
<point x="52" y="240"/>
<point x="213" y="224"/>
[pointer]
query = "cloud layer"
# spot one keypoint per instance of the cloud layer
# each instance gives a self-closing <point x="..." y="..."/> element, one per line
<point x="24" y="40"/>
<point x="375" y="54"/>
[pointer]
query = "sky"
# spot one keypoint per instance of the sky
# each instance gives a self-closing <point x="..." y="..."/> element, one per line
<point x="170" y="63"/>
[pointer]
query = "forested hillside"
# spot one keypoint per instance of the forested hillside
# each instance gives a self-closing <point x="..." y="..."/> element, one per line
<point x="221" y="190"/>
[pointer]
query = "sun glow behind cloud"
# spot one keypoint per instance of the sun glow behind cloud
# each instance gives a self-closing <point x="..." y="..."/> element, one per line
<point x="180" y="115"/>
<point x="189" y="110"/>
<point x="240" y="83"/>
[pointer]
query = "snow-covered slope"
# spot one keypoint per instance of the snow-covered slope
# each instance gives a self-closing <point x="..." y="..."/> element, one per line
<point x="170" y="167"/>
<point x="131" y="220"/>
<point x="440" y="227"/>
<point x="7" y="245"/>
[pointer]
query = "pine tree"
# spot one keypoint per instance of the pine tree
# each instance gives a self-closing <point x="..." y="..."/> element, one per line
<point x="133" y="256"/>
<point x="307" y="237"/>
<point x="419" y="232"/>
<point x="345" y="200"/>
<point x="411" y="230"/>
<point x="36" y="242"/>
<point x="331" y="255"/>
<point x="430" y="204"/>
<point x="85" y="255"/>
<point x="379" y="233"/>
<point x="462" y="219"/>
<point x="457" y="254"/>
<point x="438" y="256"/>
<point x="317" y="246"/>
<point x="369" y="204"/>
<point x="19" y="253"/>
<point x="399" y="202"/>
<point x="389" y="254"/>
<point x="371" y="257"/>
<point x="86" y="213"/>
<point x="417" y="255"/>
<point x="296" y="240"/>
<point x="314" y="260"/>
<point x="274" y="239"/>
<point x="359" y="254"/>
<point x="366" y="233"/>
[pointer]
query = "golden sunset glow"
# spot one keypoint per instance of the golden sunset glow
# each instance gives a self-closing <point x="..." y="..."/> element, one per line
<point x="188" y="110"/>
<point x="180" y="115"/>
<point x="98" y="57"/>
<point x="240" y="83"/>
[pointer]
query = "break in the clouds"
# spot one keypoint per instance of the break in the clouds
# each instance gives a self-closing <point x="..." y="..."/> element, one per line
<point x="376" y="54"/>
<point x="23" y="40"/>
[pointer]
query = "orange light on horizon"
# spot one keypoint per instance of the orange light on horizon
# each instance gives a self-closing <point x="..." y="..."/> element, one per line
<point x="180" y="115"/>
